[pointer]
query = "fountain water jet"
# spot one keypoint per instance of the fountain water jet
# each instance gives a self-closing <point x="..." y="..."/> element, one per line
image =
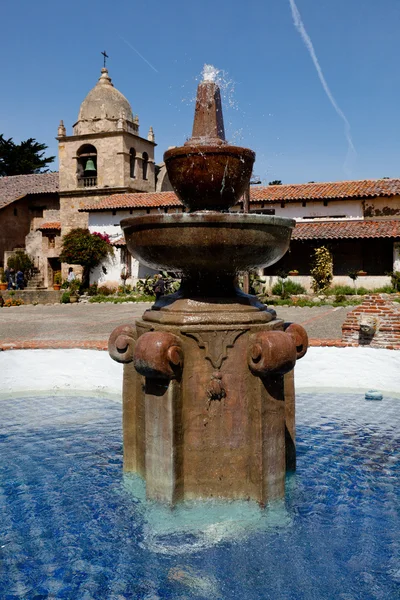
<point x="208" y="394"/>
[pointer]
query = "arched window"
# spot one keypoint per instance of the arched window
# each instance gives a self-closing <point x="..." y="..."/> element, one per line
<point x="145" y="164"/>
<point x="86" y="166"/>
<point x="132" y="160"/>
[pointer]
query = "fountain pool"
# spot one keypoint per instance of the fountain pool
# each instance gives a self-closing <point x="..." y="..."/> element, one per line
<point x="74" y="527"/>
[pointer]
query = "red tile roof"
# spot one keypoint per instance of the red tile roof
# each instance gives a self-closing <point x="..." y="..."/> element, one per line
<point x="339" y="230"/>
<point x="335" y="190"/>
<point x="366" y="188"/>
<point x="18" y="186"/>
<point x="335" y="230"/>
<point x="50" y="225"/>
<point x="141" y="200"/>
<point x="119" y="242"/>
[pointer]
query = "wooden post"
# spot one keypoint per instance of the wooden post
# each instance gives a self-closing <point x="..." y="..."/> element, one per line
<point x="246" y="209"/>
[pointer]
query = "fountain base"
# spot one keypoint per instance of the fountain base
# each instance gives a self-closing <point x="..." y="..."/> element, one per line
<point x="209" y="399"/>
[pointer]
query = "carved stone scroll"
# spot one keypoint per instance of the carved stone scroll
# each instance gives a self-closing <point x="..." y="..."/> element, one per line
<point x="215" y="343"/>
<point x="158" y="355"/>
<point x="121" y="344"/>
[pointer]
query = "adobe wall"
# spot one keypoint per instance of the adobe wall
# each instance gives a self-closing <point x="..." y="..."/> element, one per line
<point x="33" y="296"/>
<point x="14" y="227"/>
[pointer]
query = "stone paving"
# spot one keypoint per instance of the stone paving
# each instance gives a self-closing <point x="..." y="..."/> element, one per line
<point x="89" y="325"/>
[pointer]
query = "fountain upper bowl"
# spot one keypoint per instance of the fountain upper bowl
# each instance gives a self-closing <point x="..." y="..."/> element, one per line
<point x="209" y="176"/>
<point x="207" y="241"/>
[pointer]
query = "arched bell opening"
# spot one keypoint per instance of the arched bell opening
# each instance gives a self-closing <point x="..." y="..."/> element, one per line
<point x="86" y="166"/>
<point x="132" y="163"/>
<point x="145" y="164"/>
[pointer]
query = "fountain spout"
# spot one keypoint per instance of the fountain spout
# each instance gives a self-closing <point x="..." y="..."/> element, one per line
<point x="208" y="124"/>
<point x="206" y="172"/>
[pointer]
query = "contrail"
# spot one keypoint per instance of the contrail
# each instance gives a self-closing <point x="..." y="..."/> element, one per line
<point x="137" y="52"/>
<point x="306" y="39"/>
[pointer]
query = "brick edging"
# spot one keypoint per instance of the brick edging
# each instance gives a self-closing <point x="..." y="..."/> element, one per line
<point x="54" y="344"/>
<point x="103" y="344"/>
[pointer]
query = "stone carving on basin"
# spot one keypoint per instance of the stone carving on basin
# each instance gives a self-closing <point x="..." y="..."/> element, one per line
<point x="208" y="376"/>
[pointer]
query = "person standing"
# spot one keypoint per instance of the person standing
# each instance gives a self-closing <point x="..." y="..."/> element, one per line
<point x="159" y="286"/>
<point x="11" y="279"/>
<point x="71" y="275"/>
<point x="19" y="280"/>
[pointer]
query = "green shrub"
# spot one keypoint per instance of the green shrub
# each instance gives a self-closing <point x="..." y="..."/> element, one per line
<point x="287" y="288"/>
<point x="92" y="290"/>
<point x="339" y="298"/>
<point x="395" y="277"/>
<point x="105" y="290"/>
<point x="20" y="261"/>
<point x="146" y="286"/>
<point x="386" y="289"/>
<point x="121" y="299"/>
<point x="65" y="298"/>
<point x="322" y="269"/>
<point x="347" y="290"/>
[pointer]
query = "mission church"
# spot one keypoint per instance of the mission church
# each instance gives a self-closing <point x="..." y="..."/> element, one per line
<point x="107" y="172"/>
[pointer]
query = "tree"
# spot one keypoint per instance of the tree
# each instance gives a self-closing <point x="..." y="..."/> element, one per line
<point x="275" y="182"/>
<point x="20" y="261"/>
<point x="24" y="158"/>
<point x="80" y="247"/>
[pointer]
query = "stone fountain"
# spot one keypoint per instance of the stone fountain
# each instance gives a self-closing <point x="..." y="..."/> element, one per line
<point x="208" y="388"/>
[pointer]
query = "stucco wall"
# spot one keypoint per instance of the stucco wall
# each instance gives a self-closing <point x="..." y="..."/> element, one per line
<point x="368" y="282"/>
<point x="352" y="209"/>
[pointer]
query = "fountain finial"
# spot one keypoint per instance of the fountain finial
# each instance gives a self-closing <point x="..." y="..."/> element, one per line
<point x="208" y="124"/>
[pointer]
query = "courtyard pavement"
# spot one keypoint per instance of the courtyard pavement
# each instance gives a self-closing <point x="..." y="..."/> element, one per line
<point x="90" y="325"/>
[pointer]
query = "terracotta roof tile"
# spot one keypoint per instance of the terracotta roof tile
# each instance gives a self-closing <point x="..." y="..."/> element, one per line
<point x="366" y="188"/>
<point x="50" y="225"/>
<point x="339" y="230"/>
<point x="142" y="200"/>
<point x="119" y="242"/>
<point x="18" y="186"/>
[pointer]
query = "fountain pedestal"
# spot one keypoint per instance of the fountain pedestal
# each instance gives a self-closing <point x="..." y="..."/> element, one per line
<point x="208" y="395"/>
<point x="209" y="400"/>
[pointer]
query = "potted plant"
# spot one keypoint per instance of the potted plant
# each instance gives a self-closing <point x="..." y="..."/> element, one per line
<point x="293" y="272"/>
<point x="362" y="273"/>
<point x="57" y="281"/>
<point x="74" y="290"/>
<point x="3" y="280"/>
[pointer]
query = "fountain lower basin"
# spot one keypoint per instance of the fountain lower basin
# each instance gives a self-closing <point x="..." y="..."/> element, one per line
<point x="60" y="541"/>
<point x="207" y="241"/>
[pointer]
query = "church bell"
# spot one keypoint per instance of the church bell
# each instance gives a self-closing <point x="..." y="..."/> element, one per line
<point x="90" y="168"/>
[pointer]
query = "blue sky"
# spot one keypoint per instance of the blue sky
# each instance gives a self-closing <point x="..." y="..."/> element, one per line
<point x="277" y="106"/>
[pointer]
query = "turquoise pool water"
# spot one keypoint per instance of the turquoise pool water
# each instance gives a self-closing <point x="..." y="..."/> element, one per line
<point x="73" y="527"/>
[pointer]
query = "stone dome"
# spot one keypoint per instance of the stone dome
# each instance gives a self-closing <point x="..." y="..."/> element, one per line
<point x="104" y="105"/>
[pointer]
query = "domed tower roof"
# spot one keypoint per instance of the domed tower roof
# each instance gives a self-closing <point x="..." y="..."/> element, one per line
<point x="105" y="109"/>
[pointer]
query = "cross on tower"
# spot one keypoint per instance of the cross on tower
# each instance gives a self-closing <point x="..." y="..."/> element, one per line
<point x="105" y="56"/>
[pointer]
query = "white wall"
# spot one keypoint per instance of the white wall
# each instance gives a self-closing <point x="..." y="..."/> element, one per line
<point x="106" y="222"/>
<point x="352" y="209"/>
<point x="369" y="282"/>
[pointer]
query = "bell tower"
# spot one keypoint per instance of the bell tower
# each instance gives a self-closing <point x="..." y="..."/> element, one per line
<point x="104" y="155"/>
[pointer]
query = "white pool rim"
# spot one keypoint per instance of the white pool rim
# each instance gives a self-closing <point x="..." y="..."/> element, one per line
<point x="59" y="371"/>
